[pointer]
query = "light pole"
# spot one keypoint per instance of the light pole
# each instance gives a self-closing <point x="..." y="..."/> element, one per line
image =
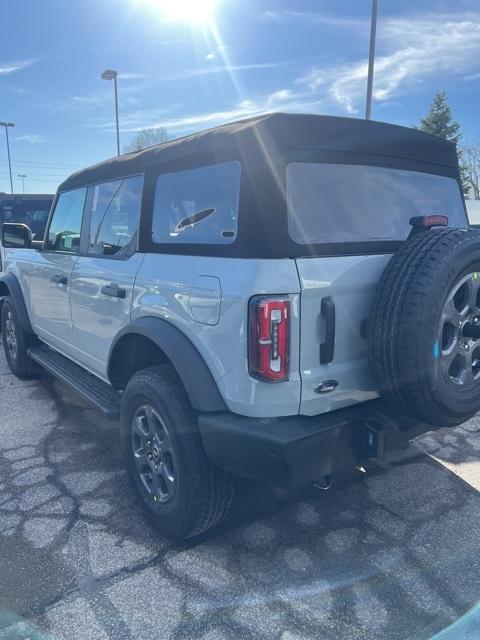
<point x="6" y="125"/>
<point x="111" y="74"/>
<point x="22" y="176"/>
<point x="371" y="59"/>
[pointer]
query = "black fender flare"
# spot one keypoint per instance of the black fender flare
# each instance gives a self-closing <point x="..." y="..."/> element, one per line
<point x="10" y="287"/>
<point x="192" y="369"/>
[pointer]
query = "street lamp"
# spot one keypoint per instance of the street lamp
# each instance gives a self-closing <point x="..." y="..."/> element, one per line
<point x="22" y="176"/>
<point x="371" y="59"/>
<point x="6" y="125"/>
<point x="111" y="74"/>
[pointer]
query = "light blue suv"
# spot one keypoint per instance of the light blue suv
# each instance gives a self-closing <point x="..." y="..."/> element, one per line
<point x="233" y="298"/>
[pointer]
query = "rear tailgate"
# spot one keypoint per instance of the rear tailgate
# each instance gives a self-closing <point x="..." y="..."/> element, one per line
<point x="349" y="282"/>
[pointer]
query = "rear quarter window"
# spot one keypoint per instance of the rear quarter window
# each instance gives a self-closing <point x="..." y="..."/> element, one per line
<point x="338" y="203"/>
<point x="198" y="205"/>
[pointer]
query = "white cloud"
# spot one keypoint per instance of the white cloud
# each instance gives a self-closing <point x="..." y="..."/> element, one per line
<point x="314" y="19"/>
<point x="426" y="48"/>
<point x="32" y="138"/>
<point x="207" y="70"/>
<point x="11" y="67"/>
<point x="211" y="55"/>
<point x="280" y="100"/>
<point x="131" y="76"/>
<point x="417" y="49"/>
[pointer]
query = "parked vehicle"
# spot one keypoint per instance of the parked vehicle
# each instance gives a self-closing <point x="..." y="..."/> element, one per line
<point x="30" y="209"/>
<point x="473" y="212"/>
<point x="274" y="298"/>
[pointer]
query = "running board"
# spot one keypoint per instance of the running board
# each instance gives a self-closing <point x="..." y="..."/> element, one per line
<point x="97" y="392"/>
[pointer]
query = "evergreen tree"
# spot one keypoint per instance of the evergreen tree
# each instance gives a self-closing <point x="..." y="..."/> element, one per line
<point x="439" y="120"/>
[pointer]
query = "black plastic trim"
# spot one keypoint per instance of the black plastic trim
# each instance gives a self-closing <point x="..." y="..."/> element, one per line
<point x="97" y="392"/>
<point x="194" y="373"/>
<point x="327" y="348"/>
<point x="15" y="294"/>
<point x="293" y="451"/>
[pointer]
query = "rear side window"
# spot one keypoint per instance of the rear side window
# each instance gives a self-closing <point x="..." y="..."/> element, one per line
<point x="115" y="212"/>
<point x="197" y="206"/>
<point x="356" y="203"/>
<point x="64" y="231"/>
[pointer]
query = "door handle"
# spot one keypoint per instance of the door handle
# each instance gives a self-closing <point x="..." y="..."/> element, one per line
<point x="327" y="348"/>
<point x="114" y="291"/>
<point x="59" y="279"/>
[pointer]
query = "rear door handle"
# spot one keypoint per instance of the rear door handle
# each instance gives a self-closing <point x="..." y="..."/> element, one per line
<point x="327" y="348"/>
<point x="59" y="279"/>
<point x="114" y="291"/>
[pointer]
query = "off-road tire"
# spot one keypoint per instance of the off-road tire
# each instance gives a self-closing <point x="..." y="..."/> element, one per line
<point x="203" y="494"/>
<point x="405" y="334"/>
<point x="18" y="360"/>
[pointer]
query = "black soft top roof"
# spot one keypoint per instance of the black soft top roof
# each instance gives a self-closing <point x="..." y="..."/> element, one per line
<point x="276" y="133"/>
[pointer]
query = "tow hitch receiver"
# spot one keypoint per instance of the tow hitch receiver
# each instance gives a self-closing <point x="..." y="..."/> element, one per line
<point x="369" y="441"/>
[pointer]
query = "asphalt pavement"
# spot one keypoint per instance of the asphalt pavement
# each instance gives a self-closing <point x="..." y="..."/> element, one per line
<point x="393" y="553"/>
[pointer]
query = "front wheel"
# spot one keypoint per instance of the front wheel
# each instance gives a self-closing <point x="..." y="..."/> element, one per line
<point x="16" y="343"/>
<point x="183" y="493"/>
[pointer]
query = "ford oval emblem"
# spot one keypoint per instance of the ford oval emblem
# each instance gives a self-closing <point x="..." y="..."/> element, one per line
<point x="326" y="387"/>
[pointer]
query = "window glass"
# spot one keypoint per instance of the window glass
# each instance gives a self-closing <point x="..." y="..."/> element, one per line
<point x="64" y="231"/>
<point x="354" y="203"/>
<point x="115" y="215"/>
<point x="197" y="206"/>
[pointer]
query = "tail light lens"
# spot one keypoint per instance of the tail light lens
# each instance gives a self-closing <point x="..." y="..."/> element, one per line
<point x="269" y="320"/>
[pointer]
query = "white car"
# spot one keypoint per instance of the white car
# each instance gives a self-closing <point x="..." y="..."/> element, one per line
<point x="473" y="211"/>
<point x="268" y="299"/>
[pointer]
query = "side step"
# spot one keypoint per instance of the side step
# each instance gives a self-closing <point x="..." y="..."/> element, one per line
<point x="91" y="388"/>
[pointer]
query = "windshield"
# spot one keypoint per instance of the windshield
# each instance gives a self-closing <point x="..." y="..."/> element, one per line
<point x="356" y="203"/>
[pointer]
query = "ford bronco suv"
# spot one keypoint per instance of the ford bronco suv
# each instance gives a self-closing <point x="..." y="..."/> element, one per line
<point x="275" y="299"/>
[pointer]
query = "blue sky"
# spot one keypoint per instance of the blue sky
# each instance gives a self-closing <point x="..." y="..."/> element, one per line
<point x="251" y="56"/>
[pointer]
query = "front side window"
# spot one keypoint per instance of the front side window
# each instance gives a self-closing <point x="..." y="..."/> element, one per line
<point x="356" y="203"/>
<point x="64" y="231"/>
<point x="114" y="216"/>
<point x="198" y="205"/>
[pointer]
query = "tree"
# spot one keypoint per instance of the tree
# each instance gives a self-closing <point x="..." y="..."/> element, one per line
<point x="439" y="120"/>
<point x="147" y="138"/>
<point x="471" y="162"/>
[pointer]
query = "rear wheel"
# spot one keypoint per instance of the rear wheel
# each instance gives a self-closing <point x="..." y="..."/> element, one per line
<point x="16" y="343"/>
<point x="183" y="493"/>
<point x="424" y="327"/>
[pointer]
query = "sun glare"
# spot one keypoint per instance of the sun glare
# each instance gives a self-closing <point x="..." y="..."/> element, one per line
<point x="190" y="11"/>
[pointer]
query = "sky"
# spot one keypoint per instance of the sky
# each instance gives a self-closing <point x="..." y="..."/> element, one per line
<point x="189" y="65"/>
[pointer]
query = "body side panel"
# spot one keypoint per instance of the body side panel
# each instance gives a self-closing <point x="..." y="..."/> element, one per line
<point x="163" y="290"/>
<point x="350" y="282"/>
<point x="97" y="318"/>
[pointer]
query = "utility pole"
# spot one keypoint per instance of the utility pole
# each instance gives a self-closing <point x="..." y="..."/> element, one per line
<point x="22" y="176"/>
<point x="6" y="125"/>
<point x="371" y="59"/>
<point x="111" y="74"/>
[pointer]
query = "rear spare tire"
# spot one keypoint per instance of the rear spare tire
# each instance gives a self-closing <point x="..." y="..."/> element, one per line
<point x="424" y="327"/>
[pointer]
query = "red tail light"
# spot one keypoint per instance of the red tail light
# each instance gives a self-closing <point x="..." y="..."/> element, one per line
<point x="269" y="320"/>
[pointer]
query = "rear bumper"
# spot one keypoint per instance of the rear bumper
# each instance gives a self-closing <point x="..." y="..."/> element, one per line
<point x="294" y="451"/>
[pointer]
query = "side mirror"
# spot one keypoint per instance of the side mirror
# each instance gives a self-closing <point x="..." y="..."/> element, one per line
<point x="16" y="236"/>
